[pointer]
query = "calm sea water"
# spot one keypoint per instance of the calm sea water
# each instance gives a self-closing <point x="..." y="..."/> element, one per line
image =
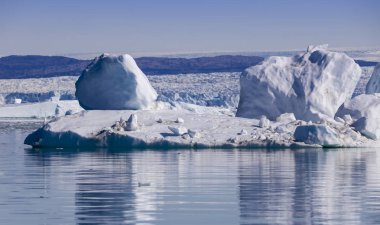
<point x="122" y="186"/>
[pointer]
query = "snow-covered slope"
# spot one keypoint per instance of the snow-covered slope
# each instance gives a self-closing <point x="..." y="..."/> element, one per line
<point x="312" y="85"/>
<point x="373" y="85"/>
<point x="114" y="82"/>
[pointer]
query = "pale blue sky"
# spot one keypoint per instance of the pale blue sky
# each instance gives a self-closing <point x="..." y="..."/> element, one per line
<point x="174" y="26"/>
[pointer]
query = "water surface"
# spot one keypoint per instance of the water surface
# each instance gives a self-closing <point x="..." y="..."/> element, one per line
<point x="122" y="186"/>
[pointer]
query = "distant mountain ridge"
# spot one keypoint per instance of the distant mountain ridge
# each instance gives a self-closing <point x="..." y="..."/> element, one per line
<point x="35" y="66"/>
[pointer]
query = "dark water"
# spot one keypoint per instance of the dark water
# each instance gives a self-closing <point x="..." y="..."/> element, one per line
<point x="186" y="187"/>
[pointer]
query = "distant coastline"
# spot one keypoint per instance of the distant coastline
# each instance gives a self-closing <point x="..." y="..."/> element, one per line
<point x="36" y="66"/>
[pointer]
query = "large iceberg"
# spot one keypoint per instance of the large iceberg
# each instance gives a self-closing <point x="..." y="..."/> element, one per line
<point x="373" y="85"/>
<point x="113" y="82"/>
<point x="312" y="85"/>
<point x="365" y="112"/>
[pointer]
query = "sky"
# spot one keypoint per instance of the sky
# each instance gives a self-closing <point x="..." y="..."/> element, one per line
<point x="149" y="27"/>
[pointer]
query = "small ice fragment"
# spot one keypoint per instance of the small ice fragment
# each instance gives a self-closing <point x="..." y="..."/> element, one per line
<point x="264" y="122"/>
<point x="286" y="118"/>
<point x="193" y="133"/>
<point x="348" y="119"/>
<point x="180" y="120"/>
<point x="178" y="131"/>
<point x="338" y="119"/>
<point x="243" y="132"/>
<point x="132" y="124"/>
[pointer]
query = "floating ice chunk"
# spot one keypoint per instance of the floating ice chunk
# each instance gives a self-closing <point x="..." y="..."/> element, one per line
<point x="373" y="85"/>
<point x="178" y="131"/>
<point x="132" y="124"/>
<point x="312" y="85"/>
<point x="316" y="134"/>
<point x="264" y="122"/>
<point x="114" y="82"/>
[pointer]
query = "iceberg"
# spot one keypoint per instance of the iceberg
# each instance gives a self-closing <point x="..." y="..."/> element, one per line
<point x="114" y="82"/>
<point x="274" y="96"/>
<point x="373" y="85"/>
<point x="312" y="85"/>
